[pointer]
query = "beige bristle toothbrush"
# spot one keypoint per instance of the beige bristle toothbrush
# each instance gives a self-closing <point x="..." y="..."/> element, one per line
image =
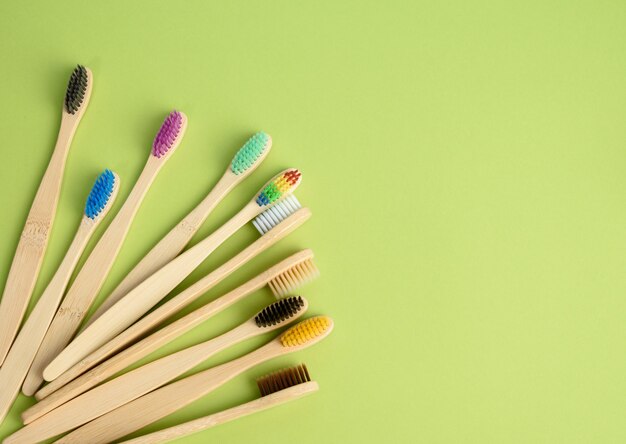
<point x="92" y="275"/>
<point x="174" y="396"/>
<point x="149" y="377"/>
<point x="246" y="160"/>
<point x="23" y="351"/>
<point x="33" y="241"/>
<point x="147" y="294"/>
<point x="276" y="389"/>
<point x="294" y="217"/>
<point x="283" y="278"/>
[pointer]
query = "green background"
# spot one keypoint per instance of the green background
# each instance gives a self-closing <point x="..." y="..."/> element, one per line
<point x="464" y="161"/>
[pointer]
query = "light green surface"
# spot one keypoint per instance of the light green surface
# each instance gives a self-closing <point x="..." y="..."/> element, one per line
<point x="465" y="162"/>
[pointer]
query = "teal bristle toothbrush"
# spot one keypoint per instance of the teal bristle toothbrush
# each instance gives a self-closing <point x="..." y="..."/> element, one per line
<point x="247" y="159"/>
<point x="33" y="241"/>
<point x="147" y="294"/>
<point x="91" y="277"/>
<point x="23" y="351"/>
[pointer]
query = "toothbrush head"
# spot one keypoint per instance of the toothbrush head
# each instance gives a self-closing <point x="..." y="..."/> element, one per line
<point x="102" y="195"/>
<point x="76" y="89"/>
<point x="251" y="154"/>
<point x="170" y="134"/>
<point x="281" y="312"/>
<point x="294" y="277"/>
<point x="283" y="379"/>
<point x="307" y="332"/>
<point x="279" y="187"/>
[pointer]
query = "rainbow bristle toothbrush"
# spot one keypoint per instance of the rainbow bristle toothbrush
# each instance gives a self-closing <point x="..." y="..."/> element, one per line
<point x="23" y="351"/>
<point x="149" y="377"/>
<point x="67" y="386"/>
<point x="276" y="389"/>
<point x="147" y="294"/>
<point x="93" y="274"/>
<point x="247" y="159"/>
<point x="288" y="275"/>
<point x="172" y="397"/>
<point x="34" y="238"/>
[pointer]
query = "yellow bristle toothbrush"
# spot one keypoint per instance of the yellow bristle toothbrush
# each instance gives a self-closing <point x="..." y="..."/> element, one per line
<point x="172" y="397"/>
<point x="142" y="380"/>
<point x="92" y="275"/>
<point x="294" y="271"/>
<point x="247" y="159"/>
<point x="276" y="389"/>
<point x="23" y="351"/>
<point x="147" y="294"/>
<point x="294" y="217"/>
<point x="31" y="248"/>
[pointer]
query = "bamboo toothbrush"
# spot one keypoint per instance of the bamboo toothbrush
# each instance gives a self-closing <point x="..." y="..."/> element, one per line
<point x="247" y="159"/>
<point x="276" y="389"/>
<point x="93" y="274"/>
<point x="177" y="303"/>
<point x="172" y="397"/>
<point x="147" y="294"/>
<point x="23" y="351"/>
<point x="142" y="380"/>
<point x="36" y="232"/>
<point x="282" y="278"/>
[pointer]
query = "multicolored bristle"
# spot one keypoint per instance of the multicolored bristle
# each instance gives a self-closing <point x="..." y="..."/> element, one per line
<point x="76" y="89"/>
<point x="293" y="278"/>
<point x="279" y="187"/>
<point x="275" y="214"/>
<point x="280" y="311"/>
<point x="169" y="134"/>
<point x="101" y="194"/>
<point x="250" y="153"/>
<point x="306" y="331"/>
<point x="282" y="379"/>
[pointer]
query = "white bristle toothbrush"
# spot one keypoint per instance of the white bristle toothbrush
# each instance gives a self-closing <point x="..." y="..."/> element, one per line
<point x="23" y="351"/>
<point x="147" y="294"/>
<point x="92" y="275"/>
<point x="175" y="304"/>
<point x="247" y="159"/>
<point x="276" y="389"/>
<point x="149" y="377"/>
<point x="283" y="278"/>
<point x="31" y="248"/>
<point x="174" y="396"/>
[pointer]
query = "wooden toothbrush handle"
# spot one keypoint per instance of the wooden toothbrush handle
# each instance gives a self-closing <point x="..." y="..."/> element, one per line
<point x="164" y="401"/>
<point x="173" y="306"/>
<point x="171" y="245"/>
<point x="136" y="383"/>
<point x="89" y="280"/>
<point x="143" y="297"/>
<point x="34" y="240"/>
<point x="240" y="411"/>
<point x="21" y="355"/>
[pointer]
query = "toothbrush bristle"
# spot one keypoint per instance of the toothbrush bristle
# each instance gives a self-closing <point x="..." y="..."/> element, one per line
<point x="76" y="89"/>
<point x="100" y="195"/>
<point x="168" y="134"/>
<point x="279" y="311"/>
<point x="282" y="379"/>
<point x="248" y="154"/>
<point x="275" y="214"/>
<point x="283" y="184"/>
<point x="306" y="331"/>
<point x="293" y="278"/>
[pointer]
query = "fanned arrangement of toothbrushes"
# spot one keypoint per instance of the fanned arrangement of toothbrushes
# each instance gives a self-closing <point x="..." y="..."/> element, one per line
<point x="84" y="398"/>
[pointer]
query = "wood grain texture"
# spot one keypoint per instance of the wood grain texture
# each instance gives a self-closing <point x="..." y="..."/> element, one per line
<point x="55" y="394"/>
<point x="258" y="405"/>
<point x="91" y="277"/>
<point x="35" y="235"/>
